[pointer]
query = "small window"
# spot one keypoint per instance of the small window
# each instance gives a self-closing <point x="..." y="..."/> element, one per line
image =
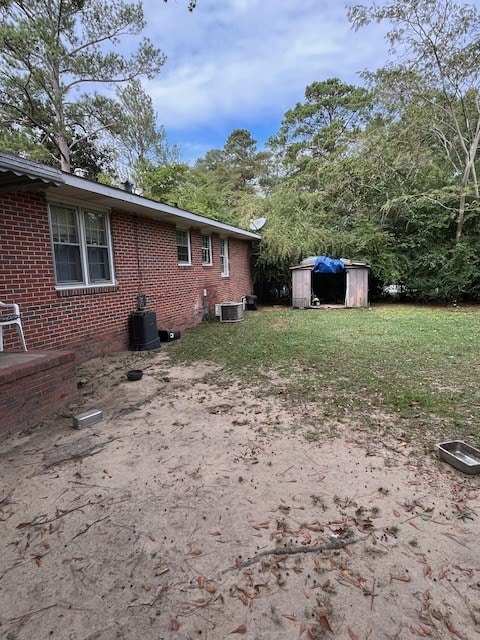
<point x="183" y="247"/>
<point x="225" y="268"/>
<point x="206" y="249"/>
<point x="81" y="246"/>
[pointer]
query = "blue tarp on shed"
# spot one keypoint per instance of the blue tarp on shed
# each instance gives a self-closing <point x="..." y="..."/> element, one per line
<point x="324" y="264"/>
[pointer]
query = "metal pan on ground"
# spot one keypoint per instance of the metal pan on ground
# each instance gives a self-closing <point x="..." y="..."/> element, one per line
<point x="460" y="455"/>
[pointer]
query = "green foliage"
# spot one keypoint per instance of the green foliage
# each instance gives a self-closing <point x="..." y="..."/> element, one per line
<point x="162" y="182"/>
<point x="322" y="125"/>
<point x="437" y="70"/>
<point x="138" y="142"/>
<point x="49" y="50"/>
<point x="224" y="185"/>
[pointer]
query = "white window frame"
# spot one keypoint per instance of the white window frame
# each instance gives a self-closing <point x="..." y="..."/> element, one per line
<point x="80" y="213"/>
<point x="188" y="245"/>
<point x="224" y="260"/>
<point x="207" y="250"/>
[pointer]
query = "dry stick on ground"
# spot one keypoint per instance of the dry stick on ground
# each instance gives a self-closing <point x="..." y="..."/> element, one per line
<point x="62" y="514"/>
<point x="26" y="616"/>
<point x="6" y="500"/>
<point x="76" y="451"/>
<point x="88" y="527"/>
<point x="282" y="551"/>
<point x="136" y="406"/>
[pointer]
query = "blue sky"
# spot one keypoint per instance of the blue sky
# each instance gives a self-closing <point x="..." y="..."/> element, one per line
<point x="240" y="64"/>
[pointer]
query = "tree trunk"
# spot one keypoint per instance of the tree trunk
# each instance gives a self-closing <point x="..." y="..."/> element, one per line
<point x="469" y="170"/>
<point x="461" y="210"/>
<point x="64" y="154"/>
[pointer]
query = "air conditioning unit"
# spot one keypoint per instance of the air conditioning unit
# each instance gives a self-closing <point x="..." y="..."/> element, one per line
<point x="229" y="311"/>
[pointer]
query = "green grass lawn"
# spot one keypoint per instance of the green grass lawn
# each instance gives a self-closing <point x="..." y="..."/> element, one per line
<point x="406" y="367"/>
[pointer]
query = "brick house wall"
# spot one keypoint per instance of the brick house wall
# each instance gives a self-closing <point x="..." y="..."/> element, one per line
<point x="33" y="391"/>
<point x="94" y="322"/>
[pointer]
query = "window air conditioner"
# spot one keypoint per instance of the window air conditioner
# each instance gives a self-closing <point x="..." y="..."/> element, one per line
<point x="229" y="311"/>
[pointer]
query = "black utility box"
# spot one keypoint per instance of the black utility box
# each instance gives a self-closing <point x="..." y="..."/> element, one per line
<point x="143" y="331"/>
<point x="251" y="303"/>
<point x="167" y="336"/>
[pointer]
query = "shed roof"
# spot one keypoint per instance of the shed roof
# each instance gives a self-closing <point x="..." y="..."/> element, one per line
<point x="19" y="174"/>
<point x="309" y="263"/>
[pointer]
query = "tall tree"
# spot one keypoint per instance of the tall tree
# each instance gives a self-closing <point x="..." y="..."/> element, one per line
<point x="238" y="166"/>
<point x="50" y="50"/>
<point x="138" y="143"/>
<point x="435" y="49"/>
<point x="322" y="125"/>
<point x="224" y="183"/>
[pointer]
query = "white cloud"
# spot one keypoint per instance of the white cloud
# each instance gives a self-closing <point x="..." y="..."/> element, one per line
<point x="235" y="62"/>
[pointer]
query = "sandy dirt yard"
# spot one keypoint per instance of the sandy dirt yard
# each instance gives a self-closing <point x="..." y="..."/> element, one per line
<point x="196" y="511"/>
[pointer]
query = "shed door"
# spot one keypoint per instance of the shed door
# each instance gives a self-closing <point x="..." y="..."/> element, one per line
<point x="357" y="288"/>
<point x="301" y="288"/>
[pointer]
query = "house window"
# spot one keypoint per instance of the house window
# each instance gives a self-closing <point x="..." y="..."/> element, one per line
<point x="206" y="249"/>
<point x="81" y="246"/>
<point x="225" y="268"/>
<point x="183" y="247"/>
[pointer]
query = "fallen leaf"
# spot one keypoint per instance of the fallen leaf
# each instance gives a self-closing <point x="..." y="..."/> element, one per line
<point x="241" y="629"/>
<point x="195" y="552"/>
<point x="404" y="577"/>
<point x="302" y="629"/>
<point x="175" y="625"/>
<point x="289" y="616"/>
<point x="426" y="630"/>
<point x="244" y="599"/>
<point x="353" y="636"/>
<point x="210" y="588"/>
<point x="452" y="629"/>
<point x="315" y="633"/>
<point x="323" y="621"/>
<point x="396" y="513"/>
<point x="201" y="581"/>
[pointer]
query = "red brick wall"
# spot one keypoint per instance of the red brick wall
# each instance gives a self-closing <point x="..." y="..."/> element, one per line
<point x="33" y="391"/>
<point x="145" y="258"/>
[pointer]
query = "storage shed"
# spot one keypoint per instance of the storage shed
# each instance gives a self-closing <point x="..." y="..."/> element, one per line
<point x="320" y="280"/>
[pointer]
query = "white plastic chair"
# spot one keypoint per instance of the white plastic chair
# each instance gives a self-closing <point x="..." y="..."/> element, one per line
<point x="11" y="319"/>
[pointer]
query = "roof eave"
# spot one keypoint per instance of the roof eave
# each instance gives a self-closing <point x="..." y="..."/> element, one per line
<point x="19" y="174"/>
<point x="118" y="199"/>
